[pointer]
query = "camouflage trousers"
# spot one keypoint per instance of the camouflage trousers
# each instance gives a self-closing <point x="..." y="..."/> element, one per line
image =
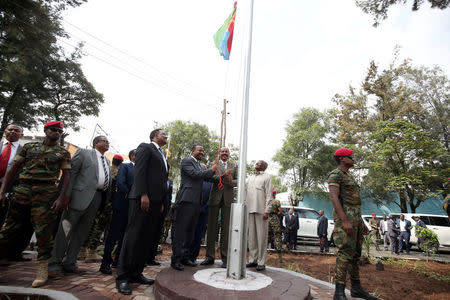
<point x="101" y="223"/>
<point x="30" y="210"/>
<point x="275" y="231"/>
<point x="349" y="246"/>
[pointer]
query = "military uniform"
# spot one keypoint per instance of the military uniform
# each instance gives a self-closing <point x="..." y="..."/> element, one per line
<point x="374" y="232"/>
<point x="33" y="197"/>
<point x="103" y="216"/>
<point x="274" y="224"/>
<point x="349" y="246"/>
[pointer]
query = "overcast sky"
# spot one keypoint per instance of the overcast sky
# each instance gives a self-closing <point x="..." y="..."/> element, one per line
<point x="303" y="53"/>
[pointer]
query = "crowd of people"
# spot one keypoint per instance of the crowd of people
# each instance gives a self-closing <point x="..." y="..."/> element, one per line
<point x="70" y="203"/>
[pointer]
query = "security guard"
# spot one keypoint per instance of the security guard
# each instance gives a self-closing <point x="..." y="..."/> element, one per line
<point x="274" y="224"/>
<point x="35" y="200"/>
<point x="348" y="225"/>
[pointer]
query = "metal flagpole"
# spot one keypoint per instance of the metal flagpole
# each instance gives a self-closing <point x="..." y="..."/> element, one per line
<point x="237" y="245"/>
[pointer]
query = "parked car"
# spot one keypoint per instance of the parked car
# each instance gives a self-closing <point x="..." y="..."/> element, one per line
<point x="307" y="219"/>
<point x="438" y="223"/>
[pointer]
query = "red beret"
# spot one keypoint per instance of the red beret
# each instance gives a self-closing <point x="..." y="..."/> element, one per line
<point x="54" y="124"/>
<point x="274" y="191"/>
<point x="343" y="152"/>
<point x="118" y="156"/>
<point x="373" y="214"/>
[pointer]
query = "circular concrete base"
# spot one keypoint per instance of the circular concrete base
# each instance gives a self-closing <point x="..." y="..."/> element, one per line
<point x="217" y="277"/>
<point x="173" y="284"/>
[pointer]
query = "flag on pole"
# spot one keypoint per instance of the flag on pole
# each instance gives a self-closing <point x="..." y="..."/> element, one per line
<point x="224" y="36"/>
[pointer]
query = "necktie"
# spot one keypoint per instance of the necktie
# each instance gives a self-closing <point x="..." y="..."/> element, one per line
<point x="6" y="153"/>
<point x="163" y="158"/>
<point x="105" y="185"/>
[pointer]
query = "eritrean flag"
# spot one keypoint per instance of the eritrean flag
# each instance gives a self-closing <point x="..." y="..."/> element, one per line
<point x="224" y="36"/>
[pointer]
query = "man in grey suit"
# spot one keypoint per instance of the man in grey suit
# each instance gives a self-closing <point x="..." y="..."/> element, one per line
<point x="187" y="206"/>
<point x="393" y="232"/>
<point x="220" y="199"/>
<point x="90" y="181"/>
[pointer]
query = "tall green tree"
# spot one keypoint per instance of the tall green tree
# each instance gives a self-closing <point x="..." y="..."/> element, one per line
<point x="401" y="91"/>
<point x="182" y="136"/>
<point x="28" y="43"/>
<point x="68" y="95"/>
<point x="403" y="161"/>
<point x="379" y="8"/>
<point x="305" y="157"/>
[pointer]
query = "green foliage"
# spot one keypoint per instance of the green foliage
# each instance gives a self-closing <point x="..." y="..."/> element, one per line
<point x="182" y="136"/>
<point x="430" y="245"/>
<point x="379" y="8"/>
<point x="366" y="244"/>
<point x="277" y="184"/>
<point x="398" y="122"/>
<point x="306" y="155"/>
<point x="35" y="69"/>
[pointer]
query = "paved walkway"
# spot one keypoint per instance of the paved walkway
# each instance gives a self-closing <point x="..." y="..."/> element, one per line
<point x="92" y="285"/>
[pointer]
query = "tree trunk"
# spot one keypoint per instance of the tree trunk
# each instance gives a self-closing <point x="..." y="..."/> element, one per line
<point x="403" y="200"/>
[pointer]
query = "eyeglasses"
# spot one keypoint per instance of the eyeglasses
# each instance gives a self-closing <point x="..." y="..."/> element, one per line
<point x="55" y="129"/>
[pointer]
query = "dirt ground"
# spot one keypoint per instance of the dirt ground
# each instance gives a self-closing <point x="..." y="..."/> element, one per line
<point x="401" y="279"/>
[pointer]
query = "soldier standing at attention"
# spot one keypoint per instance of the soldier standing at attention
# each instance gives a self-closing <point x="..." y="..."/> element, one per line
<point x="375" y="229"/>
<point x="35" y="200"/>
<point x="348" y="225"/>
<point x="274" y="224"/>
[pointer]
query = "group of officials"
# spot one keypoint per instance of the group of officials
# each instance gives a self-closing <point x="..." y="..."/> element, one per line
<point x="87" y="185"/>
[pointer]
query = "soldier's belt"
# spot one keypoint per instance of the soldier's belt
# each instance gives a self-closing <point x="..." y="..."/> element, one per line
<point x="36" y="182"/>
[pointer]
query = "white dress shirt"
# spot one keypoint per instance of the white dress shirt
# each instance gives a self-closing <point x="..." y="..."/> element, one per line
<point x="101" y="171"/>
<point x="14" y="147"/>
<point x="402" y="225"/>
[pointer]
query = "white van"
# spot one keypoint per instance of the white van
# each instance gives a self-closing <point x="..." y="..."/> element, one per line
<point x="438" y="223"/>
<point x="307" y="219"/>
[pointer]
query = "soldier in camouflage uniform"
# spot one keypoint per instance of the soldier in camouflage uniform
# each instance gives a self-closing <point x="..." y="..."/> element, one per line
<point x="102" y="218"/>
<point x="348" y="225"/>
<point x="274" y="224"/>
<point x="35" y="200"/>
<point x="374" y="223"/>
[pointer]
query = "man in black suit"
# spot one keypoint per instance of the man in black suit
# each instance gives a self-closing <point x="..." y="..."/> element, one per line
<point x="187" y="206"/>
<point x="292" y="225"/>
<point x="146" y="203"/>
<point x="124" y="181"/>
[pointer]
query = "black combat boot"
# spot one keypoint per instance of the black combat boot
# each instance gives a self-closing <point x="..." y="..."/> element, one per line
<point x="358" y="292"/>
<point x="339" y="292"/>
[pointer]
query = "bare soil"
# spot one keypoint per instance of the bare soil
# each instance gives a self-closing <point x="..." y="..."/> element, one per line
<point x="401" y="279"/>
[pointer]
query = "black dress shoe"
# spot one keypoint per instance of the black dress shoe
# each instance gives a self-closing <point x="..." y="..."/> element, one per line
<point x="224" y="265"/>
<point x="208" y="261"/>
<point x="153" y="263"/>
<point x="123" y="288"/>
<point x="188" y="262"/>
<point x="105" y="269"/>
<point x="260" y="268"/>
<point x="177" y="266"/>
<point x="114" y="265"/>
<point x="141" y="279"/>
<point x="251" y="265"/>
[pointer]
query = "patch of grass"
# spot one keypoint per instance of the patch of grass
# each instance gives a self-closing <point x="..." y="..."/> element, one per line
<point x="419" y="268"/>
<point x="295" y="268"/>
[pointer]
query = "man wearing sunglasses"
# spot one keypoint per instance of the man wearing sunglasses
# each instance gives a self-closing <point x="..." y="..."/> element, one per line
<point x="35" y="200"/>
<point x="89" y="188"/>
<point x="348" y="225"/>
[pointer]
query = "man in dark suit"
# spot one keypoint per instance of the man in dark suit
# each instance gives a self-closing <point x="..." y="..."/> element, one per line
<point x="291" y="224"/>
<point x="322" y="232"/>
<point x="155" y="242"/>
<point x="89" y="187"/>
<point x="220" y="200"/>
<point x="9" y="148"/>
<point x="146" y="203"/>
<point x="393" y="235"/>
<point x="187" y="206"/>
<point x="124" y="181"/>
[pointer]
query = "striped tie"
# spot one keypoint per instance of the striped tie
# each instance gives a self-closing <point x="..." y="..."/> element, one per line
<point x="105" y="185"/>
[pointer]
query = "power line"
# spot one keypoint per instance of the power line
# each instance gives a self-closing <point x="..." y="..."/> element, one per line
<point x="134" y="57"/>
<point x="115" y="66"/>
